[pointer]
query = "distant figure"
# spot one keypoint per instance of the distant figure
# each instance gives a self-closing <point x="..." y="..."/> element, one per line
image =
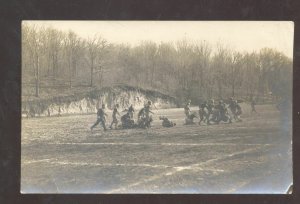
<point x="100" y="118"/>
<point x="203" y="111"/>
<point x="166" y="122"/>
<point x="59" y="111"/>
<point x="141" y="113"/>
<point x="253" y="103"/>
<point x="221" y="113"/>
<point x="127" y="122"/>
<point x="190" y="119"/>
<point x="114" y="116"/>
<point x="131" y="111"/>
<point x="187" y="110"/>
<point x="147" y="110"/>
<point x="232" y="105"/>
<point x="215" y="112"/>
<point x="238" y="111"/>
<point x="144" y="118"/>
<point x="235" y="109"/>
<point x="210" y="109"/>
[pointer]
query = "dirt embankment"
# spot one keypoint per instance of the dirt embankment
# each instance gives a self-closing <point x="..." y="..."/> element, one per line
<point x="83" y="103"/>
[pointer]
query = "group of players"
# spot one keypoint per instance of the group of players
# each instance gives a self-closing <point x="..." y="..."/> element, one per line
<point x="127" y="121"/>
<point x="208" y="112"/>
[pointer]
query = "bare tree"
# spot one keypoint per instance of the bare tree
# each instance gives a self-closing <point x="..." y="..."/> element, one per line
<point x="53" y="41"/>
<point x="165" y="61"/>
<point x="235" y="71"/>
<point x="220" y="63"/>
<point x="95" y="47"/>
<point x="72" y="46"/>
<point x="184" y="69"/>
<point x="34" y="47"/>
<point x="202" y="60"/>
<point x="276" y="71"/>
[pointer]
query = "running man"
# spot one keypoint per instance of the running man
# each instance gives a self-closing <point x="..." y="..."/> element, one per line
<point x="100" y="118"/>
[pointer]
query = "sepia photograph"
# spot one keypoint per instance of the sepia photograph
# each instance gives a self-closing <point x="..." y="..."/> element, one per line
<point x="156" y="107"/>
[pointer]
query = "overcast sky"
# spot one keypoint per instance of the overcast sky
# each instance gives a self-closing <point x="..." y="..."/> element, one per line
<point x="242" y="36"/>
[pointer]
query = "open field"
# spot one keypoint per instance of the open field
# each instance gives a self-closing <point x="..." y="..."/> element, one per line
<point x="62" y="155"/>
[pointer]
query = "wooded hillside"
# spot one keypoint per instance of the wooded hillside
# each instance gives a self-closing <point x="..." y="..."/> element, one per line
<point x="54" y="61"/>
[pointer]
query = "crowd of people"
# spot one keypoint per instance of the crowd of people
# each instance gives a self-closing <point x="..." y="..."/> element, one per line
<point x="209" y="112"/>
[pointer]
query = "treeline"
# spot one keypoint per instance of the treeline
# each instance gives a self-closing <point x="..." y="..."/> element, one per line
<point x="184" y="69"/>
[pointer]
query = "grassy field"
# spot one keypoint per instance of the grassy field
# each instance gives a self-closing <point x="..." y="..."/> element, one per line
<point x="62" y="155"/>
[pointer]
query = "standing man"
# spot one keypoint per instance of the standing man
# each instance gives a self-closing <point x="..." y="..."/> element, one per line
<point x="223" y="113"/>
<point x="232" y="106"/>
<point x="144" y="118"/>
<point x="187" y="110"/>
<point x="100" y="118"/>
<point x="202" y="112"/>
<point x="210" y="109"/>
<point x="114" y="116"/>
<point x="147" y="110"/>
<point x="131" y="111"/>
<point x="238" y="112"/>
<point x="141" y="113"/>
<point x="147" y="114"/>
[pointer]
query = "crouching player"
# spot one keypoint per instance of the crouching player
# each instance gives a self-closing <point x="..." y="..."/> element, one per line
<point x="166" y="122"/>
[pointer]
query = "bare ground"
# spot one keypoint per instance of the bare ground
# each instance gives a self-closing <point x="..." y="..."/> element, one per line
<point x="61" y="155"/>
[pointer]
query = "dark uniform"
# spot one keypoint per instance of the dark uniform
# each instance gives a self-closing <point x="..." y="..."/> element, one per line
<point x="202" y="112"/>
<point x="114" y="116"/>
<point x="190" y="119"/>
<point x="100" y="118"/>
<point x="131" y="111"/>
<point x="141" y="113"/>
<point x="127" y="122"/>
<point x="223" y="113"/>
<point x="238" y="111"/>
<point x="144" y="118"/>
<point x="210" y="108"/>
<point x="166" y="122"/>
<point x="222" y="109"/>
<point x="232" y="106"/>
<point x="147" y="111"/>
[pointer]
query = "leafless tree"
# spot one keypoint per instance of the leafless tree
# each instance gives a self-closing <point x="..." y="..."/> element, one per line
<point x="72" y="46"/>
<point x="95" y="47"/>
<point x="184" y="69"/>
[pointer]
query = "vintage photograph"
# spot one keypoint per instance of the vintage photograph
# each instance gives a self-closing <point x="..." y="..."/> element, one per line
<point x="157" y="107"/>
